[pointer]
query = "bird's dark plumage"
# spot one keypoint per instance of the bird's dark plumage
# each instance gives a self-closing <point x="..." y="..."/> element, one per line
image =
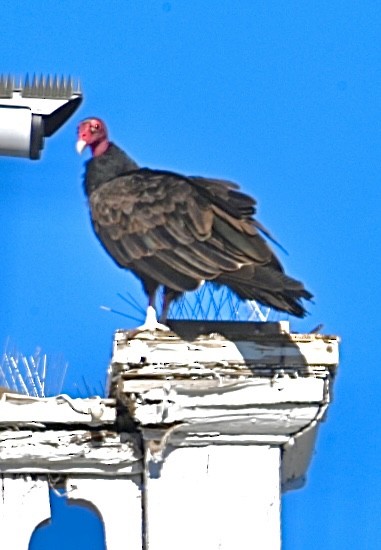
<point x="177" y="231"/>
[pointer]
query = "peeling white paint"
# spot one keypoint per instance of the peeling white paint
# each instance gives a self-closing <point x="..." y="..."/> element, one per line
<point x="218" y="427"/>
<point x="64" y="451"/>
<point x="20" y="409"/>
<point x="268" y="349"/>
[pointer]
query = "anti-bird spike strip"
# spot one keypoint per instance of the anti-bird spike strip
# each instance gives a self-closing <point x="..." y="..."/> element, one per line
<point x="7" y="86"/>
<point x="50" y="87"/>
<point x="46" y="87"/>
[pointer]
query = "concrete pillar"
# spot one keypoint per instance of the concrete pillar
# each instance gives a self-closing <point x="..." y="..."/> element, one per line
<point x="219" y="497"/>
<point x="228" y="414"/>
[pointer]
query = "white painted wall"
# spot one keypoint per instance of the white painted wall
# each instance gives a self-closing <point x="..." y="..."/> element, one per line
<point x="217" y="497"/>
<point x="24" y="504"/>
<point x="118" y="502"/>
<point x="223" y="497"/>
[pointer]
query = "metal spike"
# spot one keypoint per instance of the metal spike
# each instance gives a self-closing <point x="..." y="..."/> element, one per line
<point x="69" y="90"/>
<point x="62" y="87"/>
<point x="36" y="86"/>
<point x="10" y="83"/>
<point x="48" y="87"/>
<point x="2" y="87"/>
<point x="78" y="90"/>
<point x="26" y="90"/>
<point x="55" y="86"/>
<point x="6" y="86"/>
<point x="40" y="87"/>
<point x="30" y="92"/>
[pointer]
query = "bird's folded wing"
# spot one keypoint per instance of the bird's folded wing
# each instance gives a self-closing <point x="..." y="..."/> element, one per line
<point x="198" y="227"/>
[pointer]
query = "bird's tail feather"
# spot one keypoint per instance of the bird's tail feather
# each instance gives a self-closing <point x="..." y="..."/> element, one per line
<point x="269" y="287"/>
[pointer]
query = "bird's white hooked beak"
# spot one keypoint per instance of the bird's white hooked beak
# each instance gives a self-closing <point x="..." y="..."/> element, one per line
<point x="80" y="146"/>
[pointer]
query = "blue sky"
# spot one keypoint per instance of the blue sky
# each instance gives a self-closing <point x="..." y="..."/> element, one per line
<point x="283" y="97"/>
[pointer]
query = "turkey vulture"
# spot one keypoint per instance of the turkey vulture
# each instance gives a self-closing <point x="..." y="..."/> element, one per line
<point x="179" y="231"/>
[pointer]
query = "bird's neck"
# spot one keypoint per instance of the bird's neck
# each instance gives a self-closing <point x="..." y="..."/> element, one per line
<point x="104" y="167"/>
<point x="99" y="148"/>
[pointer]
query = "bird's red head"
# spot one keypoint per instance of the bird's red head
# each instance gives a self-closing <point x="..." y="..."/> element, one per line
<point x="92" y="132"/>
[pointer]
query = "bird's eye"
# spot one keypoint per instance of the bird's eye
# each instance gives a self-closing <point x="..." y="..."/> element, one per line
<point x="94" y="128"/>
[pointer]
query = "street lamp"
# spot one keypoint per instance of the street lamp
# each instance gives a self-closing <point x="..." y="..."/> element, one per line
<point x="30" y="112"/>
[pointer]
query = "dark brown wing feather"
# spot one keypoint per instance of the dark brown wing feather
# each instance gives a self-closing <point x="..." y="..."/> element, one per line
<point x="178" y="231"/>
<point x="148" y="213"/>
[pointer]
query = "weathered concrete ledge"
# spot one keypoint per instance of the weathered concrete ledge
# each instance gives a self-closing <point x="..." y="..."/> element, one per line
<point x="238" y="383"/>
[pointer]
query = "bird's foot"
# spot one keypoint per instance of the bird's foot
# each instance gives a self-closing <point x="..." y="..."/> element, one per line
<point x="151" y="323"/>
